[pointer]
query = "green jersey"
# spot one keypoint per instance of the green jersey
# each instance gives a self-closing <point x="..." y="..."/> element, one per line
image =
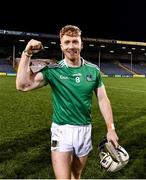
<point x="72" y="91"/>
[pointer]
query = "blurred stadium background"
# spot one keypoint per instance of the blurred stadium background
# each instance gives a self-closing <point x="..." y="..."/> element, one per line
<point x="114" y="57"/>
<point x="25" y="118"/>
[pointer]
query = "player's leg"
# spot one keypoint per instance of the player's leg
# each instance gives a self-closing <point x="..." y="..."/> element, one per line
<point x="61" y="162"/>
<point x="78" y="163"/>
<point x="82" y="146"/>
<point x="61" y="151"/>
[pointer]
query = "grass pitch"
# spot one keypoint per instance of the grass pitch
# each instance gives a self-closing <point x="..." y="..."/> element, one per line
<point x="25" y="120"/>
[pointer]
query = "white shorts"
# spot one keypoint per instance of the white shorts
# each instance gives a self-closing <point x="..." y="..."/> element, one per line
<point x="70" y="138"/>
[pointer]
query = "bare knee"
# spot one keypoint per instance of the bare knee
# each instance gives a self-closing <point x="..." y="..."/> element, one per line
<point x="76" y="174"/>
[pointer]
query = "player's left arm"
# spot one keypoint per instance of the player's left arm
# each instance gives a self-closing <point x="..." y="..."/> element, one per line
<point x="106" y="110"/>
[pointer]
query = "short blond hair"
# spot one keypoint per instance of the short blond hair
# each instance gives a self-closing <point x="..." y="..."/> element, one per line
<point x="70" y="30"/>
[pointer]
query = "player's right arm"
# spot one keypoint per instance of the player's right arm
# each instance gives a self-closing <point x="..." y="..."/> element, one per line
<point x="26" y="80"/>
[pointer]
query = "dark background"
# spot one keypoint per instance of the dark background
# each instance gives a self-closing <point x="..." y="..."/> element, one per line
<point x="108" y="19"/>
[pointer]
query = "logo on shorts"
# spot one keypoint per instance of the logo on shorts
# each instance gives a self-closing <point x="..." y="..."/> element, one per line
<point x="54" y="143"/>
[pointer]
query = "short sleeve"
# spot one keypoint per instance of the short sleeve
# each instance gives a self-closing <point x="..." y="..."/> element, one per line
<point x="99" y="81"/>
<point x="46" y="75"/>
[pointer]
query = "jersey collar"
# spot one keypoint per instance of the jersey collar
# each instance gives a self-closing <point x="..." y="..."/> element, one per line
<point x="82" y="62"/>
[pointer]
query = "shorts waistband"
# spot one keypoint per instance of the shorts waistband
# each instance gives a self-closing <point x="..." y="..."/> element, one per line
<point x="70" y="126"/>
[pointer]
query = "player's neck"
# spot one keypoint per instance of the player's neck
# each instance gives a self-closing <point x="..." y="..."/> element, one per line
<point x="73" y="63"/>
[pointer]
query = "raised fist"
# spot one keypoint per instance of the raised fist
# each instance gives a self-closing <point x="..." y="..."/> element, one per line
<point x="33" y="47"/>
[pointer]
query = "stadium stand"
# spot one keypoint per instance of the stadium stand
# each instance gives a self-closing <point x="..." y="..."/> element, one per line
<point x="6" y="66"/>
<point x="110" y="69"/>
<point x="109" y="55"/>
<point x="138" y="68"/>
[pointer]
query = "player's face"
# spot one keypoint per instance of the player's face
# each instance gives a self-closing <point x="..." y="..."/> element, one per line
<point x="71" y="47"/>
